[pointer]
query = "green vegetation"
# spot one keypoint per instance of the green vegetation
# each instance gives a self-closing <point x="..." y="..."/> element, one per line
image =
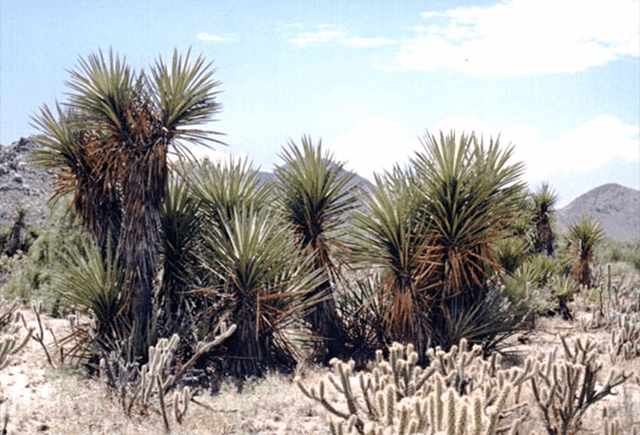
<point x="111" y="145"/>
<point x="431" y="230"/>
<point x="315" y="196"/>
<point x="543" y="202"/>
<point x="583" y="238"/>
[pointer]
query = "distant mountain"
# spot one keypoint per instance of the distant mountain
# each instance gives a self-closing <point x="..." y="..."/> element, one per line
<point x="617" y="207"/>
<point x="357" y="180"/>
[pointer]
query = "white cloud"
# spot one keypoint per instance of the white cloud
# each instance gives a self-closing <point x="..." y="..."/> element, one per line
<point x="524" y="37"/>
<point x="329" y="36"/>
<point x="208" y="37"/>
<point x="591" y="145"/>
<point x="376" y="144"/>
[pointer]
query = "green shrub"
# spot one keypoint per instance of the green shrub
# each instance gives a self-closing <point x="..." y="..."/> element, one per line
<point x="30" y="275"/>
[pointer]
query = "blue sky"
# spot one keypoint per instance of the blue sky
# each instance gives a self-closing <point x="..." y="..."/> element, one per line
<point x="560" y="79"/>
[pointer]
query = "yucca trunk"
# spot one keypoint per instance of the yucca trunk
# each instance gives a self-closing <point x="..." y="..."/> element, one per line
<point x="582" y="272"/>
<point x="407" y="319"/>
<point x="251" y="350"/>
<point x="14" y="237"/>
<point x="545" y="237"/>
<point x="144" y="190"/>
<point x="325" y="322"/>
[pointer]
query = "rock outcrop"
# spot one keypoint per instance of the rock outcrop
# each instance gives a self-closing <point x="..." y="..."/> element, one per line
<point x="23" y="184"/>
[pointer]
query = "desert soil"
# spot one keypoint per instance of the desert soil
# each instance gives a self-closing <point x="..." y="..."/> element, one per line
<point x="41" y="399"/>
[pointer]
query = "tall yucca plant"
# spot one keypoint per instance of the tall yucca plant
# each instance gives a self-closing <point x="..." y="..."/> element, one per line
<point x="262" y="284"/>
<point x="390" y="236"/>
<point x="472" y="194"/>
<point x="543" y="202"/>
<point x="583" y="237"/>
<point x="127" y="123"/>
<point x="315" y="195"/>
<point x="433" y="229"/>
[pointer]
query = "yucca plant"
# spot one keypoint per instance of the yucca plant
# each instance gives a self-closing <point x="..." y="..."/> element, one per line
<point x="82" y="173"/>
<point x="94" y="286"/>
<point x="472" y="195"/>
<point x="261" y="283"/>
<point x="112" y="146"/>
<point x="19" y="224"/>
<point x="582" y="238"/>
<point x="564" y="287"/>
<point x="223" y="187"/>
<point x="510" y="253"/>
<point x="362" y="309"/>
<point x="433" y="227"/>
<point x="390" y="238"/>
<point x="180" y="233"/>
<point x="315" y="195"/>
<point x="543" y="202"/>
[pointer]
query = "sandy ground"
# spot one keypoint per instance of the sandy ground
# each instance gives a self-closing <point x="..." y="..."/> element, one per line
<point x="41" y="399"/>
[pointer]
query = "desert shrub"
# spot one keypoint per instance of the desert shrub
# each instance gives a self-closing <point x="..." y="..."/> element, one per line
<point x="31" y="274"/>
<point x="537" y="283"/>
<point x="616" y="252"/>
<point x="5" y="230"/>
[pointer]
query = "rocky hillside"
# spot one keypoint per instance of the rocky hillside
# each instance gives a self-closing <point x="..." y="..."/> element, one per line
<point x="22" y="184"/>
<point x="616" y="206"/>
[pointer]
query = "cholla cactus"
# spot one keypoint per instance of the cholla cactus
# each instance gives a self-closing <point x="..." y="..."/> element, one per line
<point x="612" y="427"/>
<point x="625" y="338"/>
<point x="10" y="342"/>
<point x="140" y="386"/>
<point x="458" y="393"/>
<point x="566" y="388"/>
